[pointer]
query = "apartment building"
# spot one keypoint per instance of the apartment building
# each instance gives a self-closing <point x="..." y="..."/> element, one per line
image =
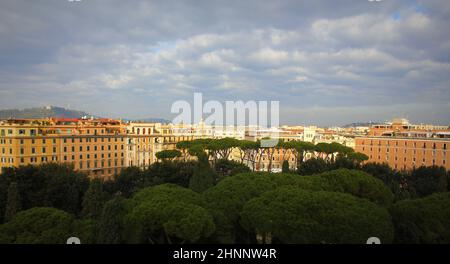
<point x="144" y="140"/>
<point x="94" y="146"/>
<point x="404" y="146"/>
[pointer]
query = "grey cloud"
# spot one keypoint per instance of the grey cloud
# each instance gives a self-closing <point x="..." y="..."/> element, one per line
<point x="316" y="57"/>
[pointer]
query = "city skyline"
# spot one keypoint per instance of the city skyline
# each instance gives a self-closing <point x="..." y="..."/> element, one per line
<point x="327" y="63"/>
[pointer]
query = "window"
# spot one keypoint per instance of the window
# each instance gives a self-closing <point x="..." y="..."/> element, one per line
<point x="21" y="132"/>
<point x="22" y="151"/>
<point x="43" y="150"/>
<point x="33" y="150"/>
<point x="43" y="141"/>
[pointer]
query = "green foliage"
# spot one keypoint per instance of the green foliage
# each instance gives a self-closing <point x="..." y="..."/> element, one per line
<point x="285" y="214"/>
<point x="285" y="167"/>
<point x="313" y="166"/>
<point x="425" y="220"/>
<point x="394" y="180"/>
<point x="183" y="144"/>
<point x="94" y="200"/>
<point x="203" y="177"/>
<point x="169" y="172"/>
<point x="167" y="214"/>
<point x="49" y="184"/>
<point x="224" y="168"/>
<point x="169" y="154"/>
<point x="39" y="225"/>
<point x="110" y="224"/>
<point x="428" y="180"/>
<point x="130" y="180"/>
<point x="226" y="199"/>
<point x="357" y="183"/>
<point x="13" y="202"/>
<point x="85" y="230"/>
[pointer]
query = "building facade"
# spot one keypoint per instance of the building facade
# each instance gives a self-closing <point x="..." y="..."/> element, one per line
<point x="96" y="147"/>
<point x="405" y="153"/>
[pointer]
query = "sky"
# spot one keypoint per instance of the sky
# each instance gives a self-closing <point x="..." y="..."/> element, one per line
<point x="326" y="62"/>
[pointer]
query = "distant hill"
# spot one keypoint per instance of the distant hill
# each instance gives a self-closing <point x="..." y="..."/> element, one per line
<point x="42" y="112"/>
<point x="55" y="111"/>
<point x="362" y="124"/>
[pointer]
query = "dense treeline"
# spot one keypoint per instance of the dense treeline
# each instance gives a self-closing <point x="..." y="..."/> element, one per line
<point x="330" y="198"/>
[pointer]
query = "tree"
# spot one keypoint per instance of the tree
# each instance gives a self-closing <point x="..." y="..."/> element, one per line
<point x="204" y="176"/>
<point x="250" y="151"/>
<point x="167" y="214"/>
<point x="184" y="146"/>
<point x="448" y="180"/>
<point x="285" y="215"/>
<point x="424" y="220"/>
<point x="110" y="224"/>
<point x="356" y="183"/>
<point x="428" y="180"/>
<point x="4" y="185"/>
<point x="129" y="180"/>
<point x="285" y="167"/>
<point x="225" y="145"/>
<point x="94" y="200"/>
<point x="13" y="202"/>
<point x="169" y="172"/>
<point x="226" y="199"/>
<point x="168" y="155"/>
<point x="299" y="149"/>
<point x="394" y="180"/>
<point x="39" y="225"/>
<point x="225" y="168"/>
<point x="49" y="184"/>
<point x="313" y="166"/>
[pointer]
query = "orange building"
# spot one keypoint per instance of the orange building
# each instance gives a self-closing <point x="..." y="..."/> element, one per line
<point x="405" y="146"/>
<point x="95" y="146"/>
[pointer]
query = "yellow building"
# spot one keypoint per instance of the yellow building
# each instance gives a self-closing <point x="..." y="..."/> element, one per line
<point x="144" y="140"/>
<point x="95" y="146"/>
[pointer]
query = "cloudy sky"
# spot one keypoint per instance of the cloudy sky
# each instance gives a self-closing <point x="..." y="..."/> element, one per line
<point x="327" y="62"/>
